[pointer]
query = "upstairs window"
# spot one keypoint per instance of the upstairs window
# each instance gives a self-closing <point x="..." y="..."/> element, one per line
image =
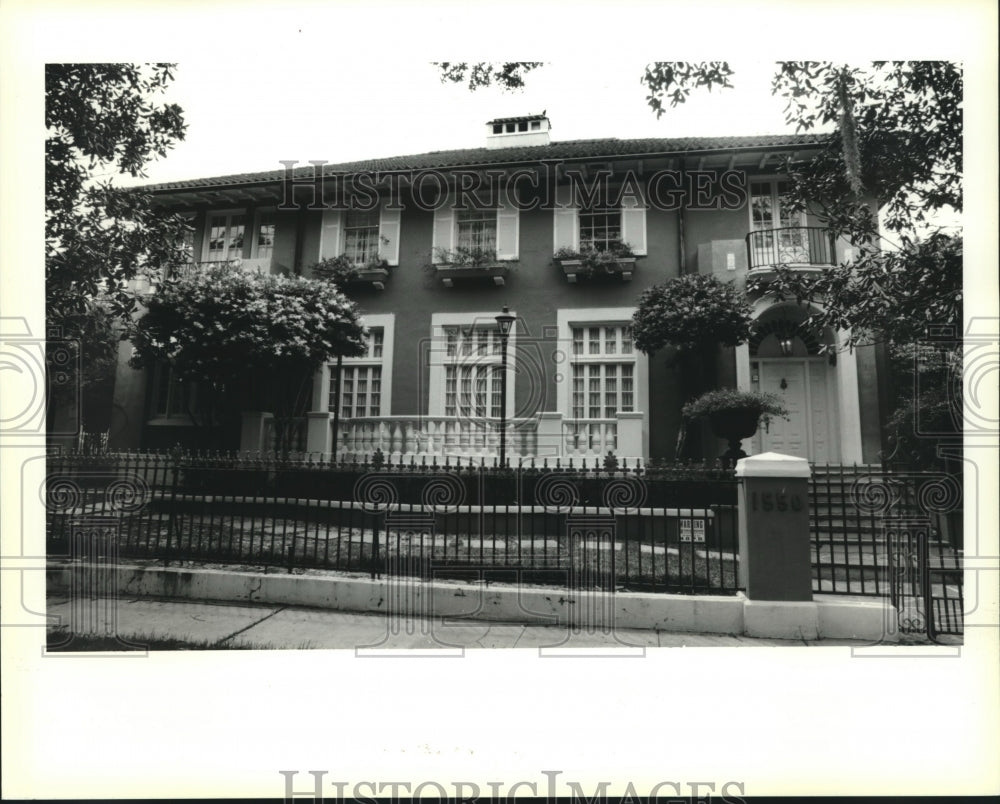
<point x="361" y="236"/>
<point x="778" y="233"/>
<point x="477" y="230"/>
<point x="265" y="235"/>
<point x="600" y="227"/>
<point x="226" y="232"/>
<point x="600" y="223"/>
<point x="490" y="232"/>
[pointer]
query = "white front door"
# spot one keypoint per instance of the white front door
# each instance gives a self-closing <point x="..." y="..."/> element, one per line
<point x="805" y="387"/>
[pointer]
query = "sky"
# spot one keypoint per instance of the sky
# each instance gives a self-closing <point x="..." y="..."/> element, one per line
<point x="311" y="107"/>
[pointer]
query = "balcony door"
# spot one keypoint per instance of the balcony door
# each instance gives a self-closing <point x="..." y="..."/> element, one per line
<point x="779" y="234"/>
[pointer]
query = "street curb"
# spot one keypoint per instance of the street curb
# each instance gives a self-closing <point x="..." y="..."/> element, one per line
<point x="403" y="597"/>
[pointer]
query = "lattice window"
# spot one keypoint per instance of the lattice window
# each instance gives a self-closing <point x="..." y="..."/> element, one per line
<point x="477" y="230"/>
<point x="603" y="372"/>
<point x="171" y="397"/>
<point x="266" y="226"/>
<point x="472" y="375"/>
<point x="600" y="228"/>
<point x="361" y="236"/>
<point x="225" y="236"/>
<point x="360" y="380"/>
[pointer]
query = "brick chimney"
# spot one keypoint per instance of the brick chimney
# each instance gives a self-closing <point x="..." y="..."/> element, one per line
<point x="509" y="132"/>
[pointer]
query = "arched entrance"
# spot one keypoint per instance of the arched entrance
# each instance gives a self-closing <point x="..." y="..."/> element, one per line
<point x="785" y="360"/>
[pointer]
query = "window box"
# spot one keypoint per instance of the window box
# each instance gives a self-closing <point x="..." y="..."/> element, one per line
<point x="495" y="271"/>
<point x="375" y="277"/>
<point x="576" y="268"/>
<point x="344" y="271"/>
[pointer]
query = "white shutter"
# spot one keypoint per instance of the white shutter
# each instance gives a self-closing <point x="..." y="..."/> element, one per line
<point x="329" y="234"/>
<point x="566" y="223"/>
<point x="508" y="231"/>
<point x="634" y="224"/>
<point x="388" y="230"/>
<point x="443" y="236"/>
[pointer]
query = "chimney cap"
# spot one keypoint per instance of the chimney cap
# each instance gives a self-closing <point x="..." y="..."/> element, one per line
<point x="522" y="118"/>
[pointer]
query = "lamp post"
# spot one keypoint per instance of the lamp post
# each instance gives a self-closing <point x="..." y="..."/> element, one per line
<point x="504" y="322"/>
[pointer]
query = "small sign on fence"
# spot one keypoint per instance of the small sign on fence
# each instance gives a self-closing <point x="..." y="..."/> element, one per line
<point x="693" y="530"/>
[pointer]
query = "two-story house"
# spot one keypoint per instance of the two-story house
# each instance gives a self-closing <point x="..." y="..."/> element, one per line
<point x="444" y="240"/>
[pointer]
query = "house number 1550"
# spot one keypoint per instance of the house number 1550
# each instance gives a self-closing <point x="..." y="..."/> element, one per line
<point x="774" y="501"/>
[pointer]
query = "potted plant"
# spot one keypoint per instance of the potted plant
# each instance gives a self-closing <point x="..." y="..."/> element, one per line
<point x="735" y="415"/>
<point x="617" y="259"/>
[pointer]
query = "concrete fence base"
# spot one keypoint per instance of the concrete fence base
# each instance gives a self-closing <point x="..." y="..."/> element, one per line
<point x="826" y="617"/>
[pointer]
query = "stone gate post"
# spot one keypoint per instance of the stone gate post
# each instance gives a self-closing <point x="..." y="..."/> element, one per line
<point x="775" y="564"/>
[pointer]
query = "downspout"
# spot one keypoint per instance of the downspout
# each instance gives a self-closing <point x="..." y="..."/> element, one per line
<point x="300" y="231"/>
<point x="681" y="248"/>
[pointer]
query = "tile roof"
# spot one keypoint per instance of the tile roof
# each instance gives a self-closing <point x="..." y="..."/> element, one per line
<point x="524" y="154"/>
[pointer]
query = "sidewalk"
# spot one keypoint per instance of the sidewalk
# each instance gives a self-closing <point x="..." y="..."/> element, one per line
<point x="203" y="625"/>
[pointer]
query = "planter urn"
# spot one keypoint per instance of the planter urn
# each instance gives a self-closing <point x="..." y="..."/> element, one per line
<point x="734" y="425"/>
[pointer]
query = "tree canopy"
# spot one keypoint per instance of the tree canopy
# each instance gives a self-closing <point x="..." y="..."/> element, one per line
<point x="692" y="312"/>
<point x="103" y="121"/>
<point x="224" y="324"/>
<point x="896" y="297"/>
<point x="227" y="330"/>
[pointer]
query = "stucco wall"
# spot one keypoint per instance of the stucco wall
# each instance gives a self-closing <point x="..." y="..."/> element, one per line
<point x="535" y="289"/>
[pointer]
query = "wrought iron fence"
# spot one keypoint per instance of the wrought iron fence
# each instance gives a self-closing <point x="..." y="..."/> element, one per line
<point x="895" y="534"/>
<point x="668" y="528"/>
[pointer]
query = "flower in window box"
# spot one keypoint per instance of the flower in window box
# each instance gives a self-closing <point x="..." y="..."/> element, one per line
<point x="466" y="257"/>
<point x="596" y="260"/>
<point x="343" y="270"/>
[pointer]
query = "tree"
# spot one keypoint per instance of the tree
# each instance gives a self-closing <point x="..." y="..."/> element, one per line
<point x="693" y="314"/>
<point x="507" y="75"/>
<point x="249" y="340"/>
<point x="895" y="297"/>
<point x="101" y="119"/>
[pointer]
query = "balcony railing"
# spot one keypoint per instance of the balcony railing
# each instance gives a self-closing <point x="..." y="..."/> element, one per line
<point x="251" y="264"/>
<point x="793" y="246"/>
<point x="436" y="436"/>
<point x="590" y="437"/>
<point x="440" y="436"/>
